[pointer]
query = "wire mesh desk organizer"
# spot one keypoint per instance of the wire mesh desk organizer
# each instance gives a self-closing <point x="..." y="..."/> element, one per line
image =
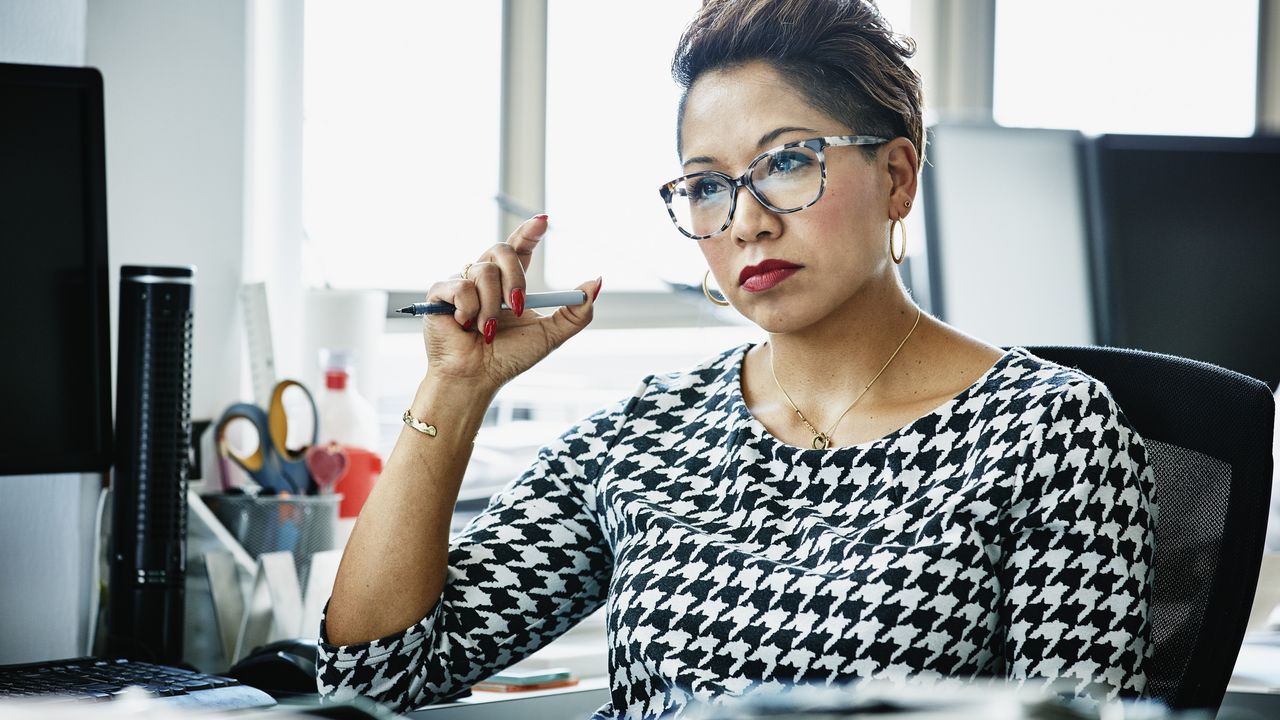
<point x="298" y="524"/>
<point x="273" y="569"/>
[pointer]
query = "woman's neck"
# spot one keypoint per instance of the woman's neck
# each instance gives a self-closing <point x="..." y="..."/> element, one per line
<point x="828" y="363"/>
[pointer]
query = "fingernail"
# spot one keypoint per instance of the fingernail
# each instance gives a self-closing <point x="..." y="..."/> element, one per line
<point x="599" y="284"/>
<point x="490" y="329"/>
<point x="540" y="217"/>
<point x="468" y="324"/>
<point x="517" y="301"/>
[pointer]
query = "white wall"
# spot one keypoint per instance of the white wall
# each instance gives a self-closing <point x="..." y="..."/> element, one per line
<point x="174" y="86"/>
<point x="46" y="527"/>
<point x="42" y="32"/>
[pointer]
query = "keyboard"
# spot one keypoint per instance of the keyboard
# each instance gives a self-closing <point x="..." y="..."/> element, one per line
<point x="95" y="679"/>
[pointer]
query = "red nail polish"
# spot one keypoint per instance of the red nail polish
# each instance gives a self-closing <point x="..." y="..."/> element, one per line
<point x="599" y="285"/>
<point x="490" y="329"/>
<point x="468" y="324"/>
<point x="517" y="301"/>
<point x="540" y="217"/>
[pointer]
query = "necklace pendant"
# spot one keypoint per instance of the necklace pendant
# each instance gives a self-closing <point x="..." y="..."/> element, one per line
<point x="821" y="441"/>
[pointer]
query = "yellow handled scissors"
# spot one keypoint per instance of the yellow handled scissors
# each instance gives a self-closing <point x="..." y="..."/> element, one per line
<point x="273" y="465"/>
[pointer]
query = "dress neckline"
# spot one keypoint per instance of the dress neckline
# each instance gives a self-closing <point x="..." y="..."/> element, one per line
<point x="738" y="404"/>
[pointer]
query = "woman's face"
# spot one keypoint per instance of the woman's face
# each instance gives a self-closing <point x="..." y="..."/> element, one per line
<point x="839" y="244"/>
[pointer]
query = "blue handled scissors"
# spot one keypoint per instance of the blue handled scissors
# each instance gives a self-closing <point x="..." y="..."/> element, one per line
<point x="272" y="465"/>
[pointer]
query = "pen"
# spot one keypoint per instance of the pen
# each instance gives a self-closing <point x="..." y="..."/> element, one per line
<point x="532" y="300"/>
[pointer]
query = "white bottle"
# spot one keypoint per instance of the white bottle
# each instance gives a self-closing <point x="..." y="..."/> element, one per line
<point x="346" y="418"/>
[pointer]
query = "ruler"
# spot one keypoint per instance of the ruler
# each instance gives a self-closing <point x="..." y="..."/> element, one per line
<point x="257" y="328"/>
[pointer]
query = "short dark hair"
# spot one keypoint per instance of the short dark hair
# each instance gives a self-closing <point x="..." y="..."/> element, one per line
<point x="841" y="54"/>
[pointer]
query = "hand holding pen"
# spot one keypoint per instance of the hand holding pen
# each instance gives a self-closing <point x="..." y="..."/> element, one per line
<point x="489" y="295"/>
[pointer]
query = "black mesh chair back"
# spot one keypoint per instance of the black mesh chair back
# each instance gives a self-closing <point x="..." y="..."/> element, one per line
<point x="1208" y="432"/>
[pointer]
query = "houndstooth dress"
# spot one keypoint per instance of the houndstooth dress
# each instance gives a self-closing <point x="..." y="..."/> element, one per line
<point x="1008" y="533"/>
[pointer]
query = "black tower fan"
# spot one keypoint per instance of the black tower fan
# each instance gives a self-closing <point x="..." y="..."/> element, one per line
<point x="153" y="436"/>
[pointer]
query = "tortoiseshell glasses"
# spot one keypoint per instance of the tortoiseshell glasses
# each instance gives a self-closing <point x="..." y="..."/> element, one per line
<point x="786" y="179"/>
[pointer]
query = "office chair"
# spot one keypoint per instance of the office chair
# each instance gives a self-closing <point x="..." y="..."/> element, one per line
<point x="1208" y="432"/>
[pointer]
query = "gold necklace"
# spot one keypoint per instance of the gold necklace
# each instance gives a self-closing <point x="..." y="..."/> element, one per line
<point x="822" y="440"/>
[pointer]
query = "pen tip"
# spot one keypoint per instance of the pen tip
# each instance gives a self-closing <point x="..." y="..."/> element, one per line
<point x="407" y="309"/>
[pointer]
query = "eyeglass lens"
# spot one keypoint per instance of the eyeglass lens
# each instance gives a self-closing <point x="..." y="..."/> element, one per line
<point x="786" y="180"/>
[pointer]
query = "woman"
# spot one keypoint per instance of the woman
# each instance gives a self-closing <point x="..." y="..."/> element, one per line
<point x="870" y="493"/>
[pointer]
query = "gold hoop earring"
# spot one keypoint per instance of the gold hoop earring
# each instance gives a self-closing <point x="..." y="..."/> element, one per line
<point x="707" y="291"/>
<point x="898" y="257"/>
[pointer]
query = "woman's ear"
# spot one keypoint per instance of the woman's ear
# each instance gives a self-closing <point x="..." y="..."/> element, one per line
<point x="904" y="171"/>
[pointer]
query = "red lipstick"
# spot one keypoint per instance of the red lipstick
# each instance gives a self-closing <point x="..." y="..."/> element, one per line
<point x="757" y="278"/>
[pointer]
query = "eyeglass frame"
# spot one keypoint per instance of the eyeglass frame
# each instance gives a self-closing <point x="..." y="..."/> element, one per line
<point x="817" y="145"/>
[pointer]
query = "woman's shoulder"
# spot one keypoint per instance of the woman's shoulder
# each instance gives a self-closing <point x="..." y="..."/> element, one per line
<point x="1079" y="438"/>
<point x="712" y="377"/>
<point x="1011" y="383"/>
<point x="707" y="384"/>
<point x="1039" y="391"/>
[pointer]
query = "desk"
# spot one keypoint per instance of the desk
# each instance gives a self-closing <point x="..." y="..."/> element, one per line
<point x="1250" y="703"/>
<point x="574" y="703"/>
<point x="1254" y="690"/>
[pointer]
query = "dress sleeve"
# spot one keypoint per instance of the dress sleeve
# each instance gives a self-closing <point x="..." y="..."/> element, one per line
<point x="532" y="565"/>
<point x="1078" y="562"/>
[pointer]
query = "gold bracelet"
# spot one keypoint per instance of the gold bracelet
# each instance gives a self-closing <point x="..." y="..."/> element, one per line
<point x="418" y="425"/>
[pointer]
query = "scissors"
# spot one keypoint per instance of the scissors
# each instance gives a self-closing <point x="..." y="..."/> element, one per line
<point x="272" y="464"/>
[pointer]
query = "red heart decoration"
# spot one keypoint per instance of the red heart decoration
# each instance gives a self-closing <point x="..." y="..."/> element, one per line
<point x="327" y="463"/>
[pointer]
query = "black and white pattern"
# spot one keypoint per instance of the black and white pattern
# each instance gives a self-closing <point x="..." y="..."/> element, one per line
<point x="1008" y="533"/>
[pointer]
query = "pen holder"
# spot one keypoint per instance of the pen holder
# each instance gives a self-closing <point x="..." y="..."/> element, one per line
<point x="300" y="524"/>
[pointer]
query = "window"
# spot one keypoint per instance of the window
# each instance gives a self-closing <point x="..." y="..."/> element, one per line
<point x="1141" y="66"/>
<point x="400" y="139"/>
<point x="611" y="115"/>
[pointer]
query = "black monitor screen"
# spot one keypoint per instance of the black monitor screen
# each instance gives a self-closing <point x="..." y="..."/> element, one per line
<point x="55" y="363"/>
<point x="1188" y="248"/>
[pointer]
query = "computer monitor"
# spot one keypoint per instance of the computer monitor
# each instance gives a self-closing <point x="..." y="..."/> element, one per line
<point x="55" y="365"/>
<point x="1187" y="247"/>
<point x="1007" y="234"/>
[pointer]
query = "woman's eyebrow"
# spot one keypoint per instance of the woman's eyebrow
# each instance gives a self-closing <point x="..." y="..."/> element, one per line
<point x="765" y="139"/>
<point x="772" y="135"/>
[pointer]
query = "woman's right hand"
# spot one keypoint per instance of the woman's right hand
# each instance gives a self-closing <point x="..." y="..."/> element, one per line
<point x="483" y="344"/>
